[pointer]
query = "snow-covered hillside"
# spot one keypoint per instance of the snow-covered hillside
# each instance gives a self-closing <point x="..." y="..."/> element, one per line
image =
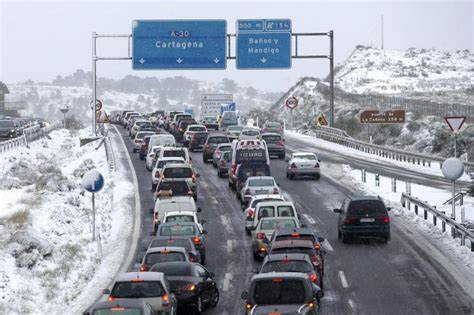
<point x="372" y="70"/>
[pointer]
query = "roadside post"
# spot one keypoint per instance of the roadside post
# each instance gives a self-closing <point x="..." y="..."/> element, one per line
<point x="291" y="103"/>
<point x="93" y="182"/>
<point x="455" y="123"/>
<point x="453" y="169"/>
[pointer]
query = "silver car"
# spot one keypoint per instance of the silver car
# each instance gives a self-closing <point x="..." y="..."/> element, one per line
<point x="223" y="164"/>
<point x="221" y="147"/>
<point x="303" y="164"/>
<point x="258" y="185"/>
<point x="138" y="139"/>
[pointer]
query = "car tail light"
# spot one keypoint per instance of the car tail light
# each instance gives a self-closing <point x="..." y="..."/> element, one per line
<point x="196" y="240"/>
<point x="180" y="129"/>
<point x="157" y="174"/>
<point x="165" y="300"/>
<point x="110" y="298"/>
<point x="222" y="163"/>
<point x="143" y="268"/>
<point x="191" y="258"/>
<point x="251" y="212"/>
<point x="315" y="260"/>
<point x="385" y="219"/>
<point x="261" y="236"/>
<point x="316" y="165"/>
<point x="234" y="168"/>
<point x="295" y="234"/>
<point x="190" y="287"/>
<point x="248" y="306"/>
<point x="350" y="220"/>
<point x="118" y="308"/>
<point x="312" y="304"/>
<point x="193" y="178"/>
<point x="276" y="191"/>
<point x="247" y="191"/>
<point x="293" y="165"/>
<point x="317" y="246"/>
<point x="277" y="280"/>
<point x="313" y="277"/>
<point x="280" y="143"/>
<point x="137" y="141"/>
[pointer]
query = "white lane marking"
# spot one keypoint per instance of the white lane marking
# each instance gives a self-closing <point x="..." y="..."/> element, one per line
<point x="214" y="200"/>
<point x="328" y="246"/>
<point x="226" y="284"/>
<point x="226" y="223"/>
<point x="351" y="303"/>
<point x="309" y="219"/>
<point x="343" y="279"/>
<point x="230" y="246"/>
<point x="203" y="184"/>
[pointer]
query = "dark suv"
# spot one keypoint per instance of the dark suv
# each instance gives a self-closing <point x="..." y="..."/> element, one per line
<point x="363" y="216"/>
<point x="211" y="144"/>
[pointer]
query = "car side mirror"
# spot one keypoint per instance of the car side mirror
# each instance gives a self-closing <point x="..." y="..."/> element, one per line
<point x="389" y="208"/>
<point x="204" y="231"/>
<point x="304" y="226"/>
<point x="337" y="210"/>
<point x="106" y="291"/>
<point x="203" y="221"/>
<point x="321" y="239"/>
<point x="198" y="175"/>
<point x="244" y="295"/>
<point x="199" y="209"/>
<point x="319" y="160"/>
<point x="212" y="274"/>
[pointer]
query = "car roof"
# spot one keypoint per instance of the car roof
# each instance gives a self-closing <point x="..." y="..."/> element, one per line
<point x="146" y="276"/>
<point x="178" y="165"/>
<point x="197" y="125"/>
<point x="159" y="249"/>
<point x="176" y="199"/>
<point x="289" y="231"/>
<point x="276" y="218"/>
<point x="170" y="158"/>
<point x="271" y="196"/>
<point x="225" y="144"/>
<point x="212" y="135"/>
<point x="289" y="256"/>
<point x="180" y="223"/>
<point x="303" y="153"/>
<point x="276" y="203"/>
<point x="292" y="243"/>
<point x="271" y="134"/>
<point x="171" y="237"/>
<point x="271" y="275"/>
<point x="180" y="212"/>
<point x="260" y="177"/>
<point x="175" y="148"/>
<point x="357" y="198"/>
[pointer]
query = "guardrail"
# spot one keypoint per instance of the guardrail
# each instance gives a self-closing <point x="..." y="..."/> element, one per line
<point x="457" y="229"/>
<point x="340" y="137"/>
<point x="29" y="134"/>
<point x="109" y="152"/>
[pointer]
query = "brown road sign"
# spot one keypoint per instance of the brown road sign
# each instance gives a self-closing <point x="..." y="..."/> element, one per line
<point x="387" y="117"/>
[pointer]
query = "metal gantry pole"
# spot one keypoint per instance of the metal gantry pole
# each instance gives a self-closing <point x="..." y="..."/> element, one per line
<point x="331" y="78"/>
<point x="93" y="216"/>
<point x="94" y="81"/>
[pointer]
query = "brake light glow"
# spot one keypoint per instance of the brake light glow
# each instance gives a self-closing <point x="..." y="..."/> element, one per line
<point x="248" y="306"/>
<point x="317" y="246"/>
<point x="110" y="298"/>
<point x="190" y="287"/>
<point x="277" y="280"/>
<point x="295" y="234"/>
<point x="312" y="304"/>
<point x="251" y="212"/>
<point x="143" y="268"/>
<point x="313" y="277"/>
<point x="114" y="309"/>
<point x="261" y="236"/>
<point x="137" y="280"/>
<point x="386" y="219"/>
<point x="165" y="300"/>
<point x="350" y="220"/>
<point x="197" y="240"/>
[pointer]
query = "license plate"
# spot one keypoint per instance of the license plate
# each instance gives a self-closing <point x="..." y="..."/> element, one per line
<point x="367" y="220"/>
<point x="261" y="192"/>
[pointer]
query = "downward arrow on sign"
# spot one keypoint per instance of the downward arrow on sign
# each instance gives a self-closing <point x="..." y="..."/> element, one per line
<point x="263" y="60"/>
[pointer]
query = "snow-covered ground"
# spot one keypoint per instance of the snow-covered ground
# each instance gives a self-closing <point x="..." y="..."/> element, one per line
<point x="320" y="143"/>
<point x="48" y="262"/>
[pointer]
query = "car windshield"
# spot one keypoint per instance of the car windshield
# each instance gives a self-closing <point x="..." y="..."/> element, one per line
<point x="179" y="218"/>
<point x="285" y="211"/>
<point x="259" y="182"/>
<point x="273" y="124"/>
<point x="293" y="250"/>
<point x="279" y="291"/>
<point x="271" y="139"/>
<point x="287" y="266"/>
<point x="218" y="140"/>
<point x="7" y="123"/>
<point x="137" y="289"/>
<point x="266" y="211"/>
<point x="164" y="256"/>
<point x="174" y="269"/>
<point x="274" y="224"/>
<point x="199" y="128"/>
<point x="174" y="153"/>
<point x="172" y="242"/>
<point x="225" y="148"/>
<point x="178" y="172"/>
<point x="309" y="157"/>
<point x="177" y="187"/>
<point x="142" y="135"/>
<point x="162" y="163"/>
<point x="143" y="124"/>
<point x="363" y="207"/>
<point x="257" y="201"/>
<point x="209" y="119"/>
<point x="235" y="128"/>
<point x="177" y="230"/>
<point x="120" y="311"/>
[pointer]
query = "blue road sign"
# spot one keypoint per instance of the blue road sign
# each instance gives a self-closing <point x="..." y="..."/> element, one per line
<point x="230" y="107"/>
<point x="263" y="44"/>
<point x="93" y="181"/>
<point x="179" y="44"/>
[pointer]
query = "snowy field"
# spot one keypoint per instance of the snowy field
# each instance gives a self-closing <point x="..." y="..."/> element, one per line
<point x="48" y="262"/>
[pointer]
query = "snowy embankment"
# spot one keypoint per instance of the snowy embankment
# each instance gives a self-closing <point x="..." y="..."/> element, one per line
<point x="48" y="262"/>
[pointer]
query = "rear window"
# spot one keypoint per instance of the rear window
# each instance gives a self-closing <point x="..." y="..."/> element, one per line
<point x="162" y="163"/>
<point x="273" y="124"/>
<point x="197" y="128"/>
<point x="255" y="202"/>
<point x="247" y="170"/>
<point x="225" y="148"/>
<point x="178" y="230"/>
<point x="175" y="270"/>
<point x="142" y="135"/>
<point x="265" y="212"/>
<point x="287" y="266"/>
<point x="178" y="172"/>
<point x="229" y="115"/>
<point x="285" y="211"/>
<point x="363" y="207"/>
<point x="179" y="218"/>
<point x="217" y="140"/>
<point x="125" y="311"/>
<point x="174" y="153"/>
<point x="250" y="132"/>
<point x="294" y="250"/>
<point x="143" y="124"/>
<point x="310" y="157"/>
<point x="161" y="257"/>
<point x="172" y="242"/>
<point x="7" y="123"/>
<point x="271" y="139"/>
<point x="261" y="182"/>
<point x="137" y="290"/>
<point x="275" y="224"/>
<point x="279" y="291"/>
<point x="177" y="187"/>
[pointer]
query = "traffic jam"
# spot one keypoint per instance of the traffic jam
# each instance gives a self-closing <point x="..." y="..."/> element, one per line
<point x="171" y="276"/>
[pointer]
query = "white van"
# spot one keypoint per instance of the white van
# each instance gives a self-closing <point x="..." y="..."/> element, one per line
<point x="178" y="203"/>
<point x="162" y="140"/>
<point x="249" y="152"/>
<point x="270" y="209"/>
<point x="175" y="152"/>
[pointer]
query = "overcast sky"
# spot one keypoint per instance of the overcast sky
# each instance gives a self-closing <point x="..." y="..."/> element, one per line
<point x="40" y="40"/>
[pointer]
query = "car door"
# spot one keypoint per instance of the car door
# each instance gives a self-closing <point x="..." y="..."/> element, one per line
<point x="207" y="283"/>
<point x="341" y="216"/>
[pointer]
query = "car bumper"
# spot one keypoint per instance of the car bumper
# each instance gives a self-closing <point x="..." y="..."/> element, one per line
<point x="137" y="146"/>
<point x="303" y="171"/>
<point x="224" y="170"/>
<point x="186" y="298"/>
<point x="276" y="151"/>
<point x="377" y="231"/>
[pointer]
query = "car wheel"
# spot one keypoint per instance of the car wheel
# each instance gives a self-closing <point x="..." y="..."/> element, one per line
<point x="199" y="307"/>
<point x="344" y="238"/>
<point x="255" y="256"/>
<point x="248" y="232"/>
<point x="238" y="197"/>
<point x="153" y="187"/>
<point x="203" y="260"/>
<point x="214" y="299"/>
<point x="195" y="197"/>
<point x="204" y="160"/>
<point x="219" y="174"/>
<point x="339" y="235"/>
<point x="317" y="177"/>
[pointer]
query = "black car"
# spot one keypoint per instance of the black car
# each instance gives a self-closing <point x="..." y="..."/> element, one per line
<point x="198" y="140"/>
<point x="192" y="284"/>
<point x="177" y="241"/>
<point x="363" y="216"/>
<point x="10" y="128"/>
<point x="211" y="145"/>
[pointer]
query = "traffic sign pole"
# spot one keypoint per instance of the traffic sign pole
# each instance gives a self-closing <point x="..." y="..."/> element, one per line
<point x="93" y="216"/>
<point x="94" y="82"/>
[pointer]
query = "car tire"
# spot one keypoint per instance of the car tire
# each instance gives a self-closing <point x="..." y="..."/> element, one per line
<point x="219" y="174"/>
<point x="345" y="238"/>
<point x="203" y="260"/>
<point x="339" y="235"/>
<point x="153" y="187"/>
<point x="199" y="306"/>
<point x="281" y="156"/>
<point x="214" y="299"/>
<point x="142" y="157"/>
<point x="317" y="177"/>
<point x="204" y="160"/>
<point x="248" y="232"/>
<point x="255" y="256"/>
<point x="195" y="197"/>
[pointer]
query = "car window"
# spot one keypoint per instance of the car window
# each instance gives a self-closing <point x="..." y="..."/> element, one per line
<point x="218" y="140"/>
<point x="363" y="207"/>
<point x="279" y="291"/>
<point x="185" y="243"/>
<point x="291" y="237"/>
<point x="139" y="289"/>
<point x="285" y="211"/>
<point x="197" y="128"/>
<point x="162" y="163"/>
<point x="267" y="211"/>
<point x="201" y="271"/>
<point x="261" y="182"/>
<point x="178" y="172"/>
<point x="271" y="139"/>
<point x="174" y="270"/>
<point x="309" y="157"/>
<point x="7" y="123"/>
<point x="274" y="224"/>
<point x="174" y="153"/>
<point x="177" y="187"/>
<point x="165" y="256"/>
<point x="177" y="230"/>
<point x="179" y="218"/>
<point x="287" y="266"/>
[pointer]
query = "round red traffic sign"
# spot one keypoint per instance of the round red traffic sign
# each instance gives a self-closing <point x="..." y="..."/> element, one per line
<point x="98" y="105"/>
<point x="292" y="102"/>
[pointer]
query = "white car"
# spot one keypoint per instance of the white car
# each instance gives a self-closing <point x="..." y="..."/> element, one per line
<point x="183" y="216"/>
<point x="190" y="130"/>
<point x="270" y="209"/>
<point x="249" y="133"/>
<point x="159" y="165"/>
<point x="255" y="200"/>
<point x="138" y="139"/>
<point x="137" y="125"/>
<point x="303" y="164"/>
<point x="175" y="152"/>
<point x="165" y="140"/>
<point x="151" y="156"/>
<point x="258" y="185"/>
<point x="164" y="205"/>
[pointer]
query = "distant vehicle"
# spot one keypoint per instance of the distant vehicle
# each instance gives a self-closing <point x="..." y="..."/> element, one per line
<point x="169" y="119"/>
<point x="162" y="254"/>
<point x="193" y="284"/>
<point x="264" y="230"/>
<point x="303" y="164"/>
<point x="275" y="144"/>
<point x="181" y="216"/>
<point x="223" y="164"/>
<point x="273" y="127"/>
<point x="173" y="187"/>
<point x="249" y="133"/>
<point x="363" y="216"/>
<point x="159" y="165"/>
<point x="183" y="172"/>
<point x="138" y="124"/>
<point x="190" y="130"/>
<point x="228" y="118"/>
<point x="257" y="185"/>
<point x="175" y="152"/>
<point x="210" y="122"/>
<point x="122" y="307"/>
<point x="138" y="139"/>
<point x="144" y="147"/>
<point x="211" y="144"/>
<point x="255" y="200"/>
<point x="127" y="117"/>
<point x="148" y="287"/>
<point x="177" y="203"/>
<point x="223" y="147"/>
<point x="10" y="128"/>
<point x="177" y="241"/>
<point x="246" y="170"/>
<point x="165" y="140"/>
<point x="281" y="293"/>
<point x="233" y="132"/>
<point x="198" y="139"/>
<point x="269" y="209"/>
<point x="150" y="159"/>
<point x="182" y="125"/>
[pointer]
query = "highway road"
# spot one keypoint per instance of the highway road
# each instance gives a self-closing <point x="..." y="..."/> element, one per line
<point x="409" y="275"/>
